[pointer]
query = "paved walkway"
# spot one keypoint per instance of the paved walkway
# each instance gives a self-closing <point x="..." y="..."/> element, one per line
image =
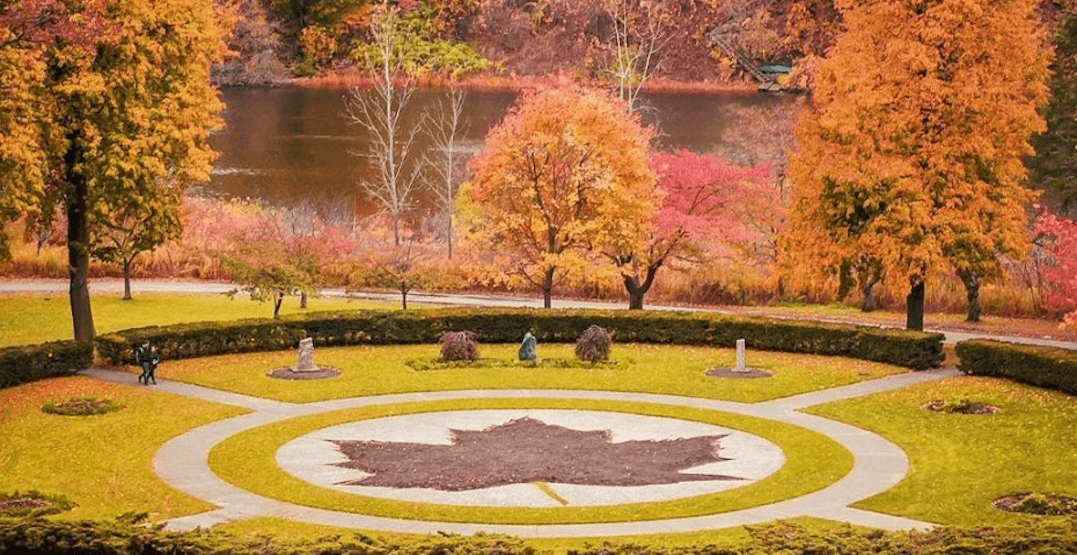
<point x="453" y="299"/>
<point x="879" y="464"/>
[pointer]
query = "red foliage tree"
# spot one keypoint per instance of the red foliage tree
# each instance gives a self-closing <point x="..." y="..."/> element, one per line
<point x="1061" y="240"/>
<point x="704" y="200"/>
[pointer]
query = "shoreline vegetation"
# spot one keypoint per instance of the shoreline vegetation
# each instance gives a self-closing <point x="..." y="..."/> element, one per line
<point x="510" y="83"/>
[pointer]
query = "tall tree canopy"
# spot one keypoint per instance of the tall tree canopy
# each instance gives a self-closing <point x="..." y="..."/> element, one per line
<point x="913" y="151"/>
<point x="116" y="111"/>
<point x="1055" y="164"/>
<point x="565" y="173"/>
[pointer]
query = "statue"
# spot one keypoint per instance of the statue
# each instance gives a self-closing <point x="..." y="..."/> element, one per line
<point x="527" y="348"/>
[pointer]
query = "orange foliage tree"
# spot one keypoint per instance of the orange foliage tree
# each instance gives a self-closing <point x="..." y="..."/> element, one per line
<point x="913" y="151"/>
<point x="564" y="175"/>
<point x="117" y="108"/>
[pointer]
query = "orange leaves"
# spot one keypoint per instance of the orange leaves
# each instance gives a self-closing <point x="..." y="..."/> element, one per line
<point x="913" y="152"/>
<point x="566" y="171"/>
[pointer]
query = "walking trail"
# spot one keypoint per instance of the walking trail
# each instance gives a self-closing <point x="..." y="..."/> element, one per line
<point x="879" y="464"/>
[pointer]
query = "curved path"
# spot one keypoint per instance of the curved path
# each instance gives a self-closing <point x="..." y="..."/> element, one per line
<point x="879" y="464"/>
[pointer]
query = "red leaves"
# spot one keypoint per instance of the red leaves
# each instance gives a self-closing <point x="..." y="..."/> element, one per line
<point x="1061" y="241"/>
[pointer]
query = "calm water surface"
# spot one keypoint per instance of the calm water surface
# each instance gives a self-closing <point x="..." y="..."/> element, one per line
<point x="289" y="145"/>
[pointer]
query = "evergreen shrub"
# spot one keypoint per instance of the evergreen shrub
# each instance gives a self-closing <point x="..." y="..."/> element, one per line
<point x="370" y="327"/>
<point x="1032" y="364"/>
<point x="28" y="363"/>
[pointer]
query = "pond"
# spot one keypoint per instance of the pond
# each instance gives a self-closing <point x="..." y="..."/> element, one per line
<point x="290" y="145"/>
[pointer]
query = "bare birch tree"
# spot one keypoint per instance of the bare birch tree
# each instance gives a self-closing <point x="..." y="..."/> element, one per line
<point x="380" y="111"/>
<point x="636" y="58"/>
<point x="447" y="157"/>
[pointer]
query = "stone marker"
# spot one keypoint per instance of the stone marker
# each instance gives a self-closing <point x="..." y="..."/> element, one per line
<point x="306" y="356"/>
<point x="527" y="348"/>
<point x="740" y="366"/>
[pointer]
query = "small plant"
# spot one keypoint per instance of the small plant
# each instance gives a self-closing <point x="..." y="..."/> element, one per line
<point x="594" y="345"/>
<point x="960" y="406"/>
<point x="459" y="345"/>
<point x="81" y="406"/>
<point x="33" y="504"/>
<point x="1038" y="504"/>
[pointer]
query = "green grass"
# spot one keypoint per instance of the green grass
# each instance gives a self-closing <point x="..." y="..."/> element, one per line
<point x="961" y="463"/>
<point x="248" y="461"/>
<point x="102" y="462"/>
<point x="669" y="369"/>
<point x="27" y="319"/>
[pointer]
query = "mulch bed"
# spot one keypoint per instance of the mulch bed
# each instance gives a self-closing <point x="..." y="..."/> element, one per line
<point x="752" y="373"/>
<point x="938" y="405"/>
<point x="1028" y="503"/>
<point x="287" y="373"/>
<point x="525" y="451"/>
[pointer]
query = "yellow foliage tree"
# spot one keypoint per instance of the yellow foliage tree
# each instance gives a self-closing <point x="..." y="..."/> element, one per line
<point x="565" y="174"/>
<point x="912" y="153"/>
<point x="117" y="111"/>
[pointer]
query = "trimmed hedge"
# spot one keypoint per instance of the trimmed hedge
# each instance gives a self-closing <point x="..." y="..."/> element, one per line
<point x="904" y="348"/>
<point x="43" y="536"/>
<point x="1042" y="366"/>
<point x="27" y="363"/>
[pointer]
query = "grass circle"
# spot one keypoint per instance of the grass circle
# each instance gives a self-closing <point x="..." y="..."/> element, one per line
<point x="248" y="460"/>
<point x="81" y="406"/>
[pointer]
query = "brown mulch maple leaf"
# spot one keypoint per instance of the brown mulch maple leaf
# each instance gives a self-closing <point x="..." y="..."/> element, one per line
<point x="525" y="451"/>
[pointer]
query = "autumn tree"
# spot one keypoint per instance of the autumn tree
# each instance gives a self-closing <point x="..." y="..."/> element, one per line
<point x="703" y="200"/>
<point x="381" y="113"/>
<point x="1059" y="235"/>
<point x="117" y="105"/>
<point x="566" y="172"/>
<point x="447" y="157"/>
<point x="913" y="150"/>
<point x="138" y="224"/>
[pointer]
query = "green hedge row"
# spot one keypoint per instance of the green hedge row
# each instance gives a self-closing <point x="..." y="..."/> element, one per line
<point x="33" y="362"/>
<point x="41" y="536"/>
<point x="904" y="348"/>
<point x="1043" y="366"/>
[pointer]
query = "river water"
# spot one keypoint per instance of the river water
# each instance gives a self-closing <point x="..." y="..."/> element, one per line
<point x="290" y="145"/>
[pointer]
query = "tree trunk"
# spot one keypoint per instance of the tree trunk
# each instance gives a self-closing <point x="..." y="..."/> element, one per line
<point x="450" y="236"/>
<point x="636" y="290"/>
<point x="404" y="298"/>
<point x="277" y="303"/>
<point x="972" y="293"/>
<point x="78" y="251"/>
<point x="127" y="278"/>
<point x="547" y="288"/>
<point x="867" y="299"/>
<point x="303" y="299"/>
<point x="914" y="307"/>
<point x="396" y="230"/>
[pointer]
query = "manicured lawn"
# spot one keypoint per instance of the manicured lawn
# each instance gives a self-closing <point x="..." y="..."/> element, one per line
<point x="26" y="319"/>
<point x="248" y="460"/>
<point x="669" y="369"/>
<point x="961" y="463"/>
<point x="102" y="462"/>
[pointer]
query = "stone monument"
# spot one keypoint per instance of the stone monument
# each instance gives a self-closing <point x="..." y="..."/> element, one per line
<point x="740" y="366"/>
<point x="306" y="356"/>
<point x="527" y="348"/>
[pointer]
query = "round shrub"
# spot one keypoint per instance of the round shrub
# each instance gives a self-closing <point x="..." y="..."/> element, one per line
<point x="459" y="345"/>
<point x="81" y="406"/>
<point x="594" y="345"/>
<point x="33" y="504"/>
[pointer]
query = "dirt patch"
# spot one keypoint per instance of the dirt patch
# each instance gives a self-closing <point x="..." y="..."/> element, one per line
<point x="960" y="406"/>
<point x="1037" y="504"/>
<point x="752" y="373"/>
<point x="526" y="451"/>
<point x="287" y="373"/>
<point x="81" y="406"/>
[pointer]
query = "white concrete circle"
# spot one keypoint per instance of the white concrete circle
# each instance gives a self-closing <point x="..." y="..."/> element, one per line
<point x="312" y="457"/>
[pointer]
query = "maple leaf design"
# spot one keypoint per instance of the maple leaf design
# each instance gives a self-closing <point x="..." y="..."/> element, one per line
<point x="527" y="450"/>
